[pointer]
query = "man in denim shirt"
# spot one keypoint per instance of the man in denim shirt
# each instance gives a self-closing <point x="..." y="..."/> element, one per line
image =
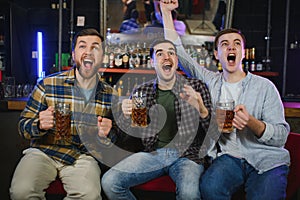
<point x="253" y="155"/>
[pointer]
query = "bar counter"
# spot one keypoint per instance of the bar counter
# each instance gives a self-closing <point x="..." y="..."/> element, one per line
<point x="292" y="109"/>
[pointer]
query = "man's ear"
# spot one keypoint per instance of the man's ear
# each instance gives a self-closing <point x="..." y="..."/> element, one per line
<point x="216" y="54"/>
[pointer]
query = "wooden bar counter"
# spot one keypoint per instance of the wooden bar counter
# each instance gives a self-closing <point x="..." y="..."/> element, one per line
<point x="292" y="109"/>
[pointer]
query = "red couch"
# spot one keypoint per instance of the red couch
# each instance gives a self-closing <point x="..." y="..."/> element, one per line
<point x="166" y="184"/>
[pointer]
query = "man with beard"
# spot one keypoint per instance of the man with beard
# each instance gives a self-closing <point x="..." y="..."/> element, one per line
<point x="51" y="155"/>
<point x="179" y="114"/>
<point x="252" y="156"/>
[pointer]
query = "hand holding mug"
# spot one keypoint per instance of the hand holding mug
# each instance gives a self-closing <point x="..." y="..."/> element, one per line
<point x="46" y="118"/>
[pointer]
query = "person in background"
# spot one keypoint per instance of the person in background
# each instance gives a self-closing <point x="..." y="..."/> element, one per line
<point x="155" y="29"/>
<point x="131" y="25"/>
<point x="49" y="155"/>
<point x="178" y="121"/>
<point x="179" y="25"/>
<point x="186" y="8"/>
<point x="219" y="18"/>
<point x="149" y="8"/>
<point x="252" y="157"/>
<point x="128" y="6"/>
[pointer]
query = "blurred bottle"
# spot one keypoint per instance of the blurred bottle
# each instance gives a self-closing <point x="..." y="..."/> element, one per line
<point x="245" y="61"/>
<point x="108" y="36"/>
<point x="252" y="59"/>
<point x="105" y="62"/>
<point x="125" y="57"/>
<point x="120" y="88"/>
<point x="128" y="87"/>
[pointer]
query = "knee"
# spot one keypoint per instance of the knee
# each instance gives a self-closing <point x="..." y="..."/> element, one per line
<point x="93" y="193"/>
<point x="90" y="191"/>
<point x="188" y="192"/>
<point x="207" y="186"/>
<point x="23" y="190"/>
<point x="187" y="195"/>
<point x="108" y="180"/>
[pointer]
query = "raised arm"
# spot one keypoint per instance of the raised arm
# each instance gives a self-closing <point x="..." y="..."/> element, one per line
<point x="166" y="7"/>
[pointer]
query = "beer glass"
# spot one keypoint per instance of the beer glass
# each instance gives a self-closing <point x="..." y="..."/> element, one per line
<point x="62" y="121"/>
<point x="139" y="110"/>
<point x="225" y="115"/>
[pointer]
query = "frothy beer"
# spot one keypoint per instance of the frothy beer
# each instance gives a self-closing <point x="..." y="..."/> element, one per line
<point x="139" y="110"/>
<point x="62" y="121"/>
<point x="224" y="119"/>
<point x="225" y="115"/>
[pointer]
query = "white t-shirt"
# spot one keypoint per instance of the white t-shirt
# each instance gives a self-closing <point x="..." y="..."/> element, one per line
<point x="228" y="142"/>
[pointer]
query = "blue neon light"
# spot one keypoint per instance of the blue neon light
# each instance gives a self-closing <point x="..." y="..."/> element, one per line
<point x="40" y="54"/>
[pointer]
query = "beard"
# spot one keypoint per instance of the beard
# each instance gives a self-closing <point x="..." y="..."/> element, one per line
<point x="87" y="74"/>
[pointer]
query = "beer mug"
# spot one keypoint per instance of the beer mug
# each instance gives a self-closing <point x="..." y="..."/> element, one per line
<point x="62" y="121"/>
<point x="139" y="110"/>
<point x="225" y="115"/>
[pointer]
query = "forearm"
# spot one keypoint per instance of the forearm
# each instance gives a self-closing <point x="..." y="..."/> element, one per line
<point x="169" y="29"/>
<point x="29" y="128"/>
<point x="258" y="127"/>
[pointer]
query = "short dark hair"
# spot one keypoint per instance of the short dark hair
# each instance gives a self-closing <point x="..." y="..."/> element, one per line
<point x="134" y="14"/>
<point x="85" y="32"/>
<point x="226" y="31"/>
<point x="159" y="41"/>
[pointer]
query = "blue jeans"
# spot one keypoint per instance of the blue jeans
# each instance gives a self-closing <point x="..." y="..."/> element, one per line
<point x="142" y="167"/>
<point x="228" y="174"/>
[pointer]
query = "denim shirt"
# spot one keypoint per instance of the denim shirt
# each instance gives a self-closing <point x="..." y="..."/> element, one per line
<point x="262" y="100"/>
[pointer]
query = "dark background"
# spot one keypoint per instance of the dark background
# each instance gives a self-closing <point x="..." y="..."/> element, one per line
<point x="26" y="17"/>
<point x="23" y="18"/>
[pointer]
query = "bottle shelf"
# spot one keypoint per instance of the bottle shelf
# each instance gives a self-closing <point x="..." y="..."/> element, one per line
<point x="151" y="71"/>
<point x="130" y="71"/>
<point x="266" y="73"/>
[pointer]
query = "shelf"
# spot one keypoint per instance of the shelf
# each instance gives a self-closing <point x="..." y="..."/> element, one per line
<point x="130" y="71"/>
<point x="266" y="74"/>
<point x="151" y="71"/>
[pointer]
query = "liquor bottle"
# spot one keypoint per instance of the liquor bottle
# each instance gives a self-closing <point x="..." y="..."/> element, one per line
<point x="128" y="87"/>
<point x="108" y="36"/>
<point x="111" y="59"/>
<point x="118" y="60"/>
<point x="144" y="80"/>
<point x="120" y="88"/>
<point x="135" y="82"/>
<point x="105" y="62"/>
<point x="245" y="61"/>
<point x="144" y="56"/>
<point x="149" y="66"/>
<point x="252" y="59"/>
<point x="125" y="58"/>
<point x="110" y="80"/>
<point x="132" y="61"/>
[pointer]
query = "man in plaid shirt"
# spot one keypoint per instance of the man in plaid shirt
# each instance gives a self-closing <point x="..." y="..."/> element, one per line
<point x="90" y="102"/>
<point x="179" y="116"/>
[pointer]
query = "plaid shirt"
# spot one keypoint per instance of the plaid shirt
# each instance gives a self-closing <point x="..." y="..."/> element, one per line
<point x="62" y="87"/>
<point x="129" y="25"/>
<point x="191" y="128"/>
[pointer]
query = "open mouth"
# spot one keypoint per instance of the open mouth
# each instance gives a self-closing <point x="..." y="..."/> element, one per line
<point x="231" y="57"/>
<point x="167" y="67"/>
<point x="87" y="63"/>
